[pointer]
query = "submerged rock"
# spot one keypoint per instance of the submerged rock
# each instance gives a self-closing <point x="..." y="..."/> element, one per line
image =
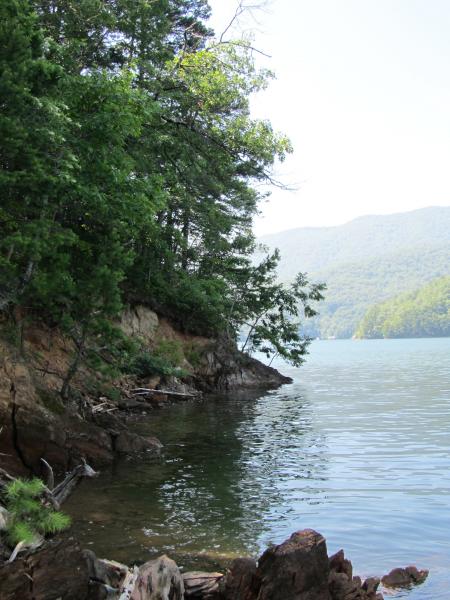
<point x="404" y="577"/>
<point x="131" y="443"/>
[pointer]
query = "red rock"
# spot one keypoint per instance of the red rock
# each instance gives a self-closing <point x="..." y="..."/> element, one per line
<point x="239" y="582"/>
<point x="297" y="569"/>
<point x="404" y="577"/>
<point x="340" y="564"/>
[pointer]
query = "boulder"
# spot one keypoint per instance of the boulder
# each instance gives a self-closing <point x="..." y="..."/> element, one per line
<point x="159" y="579"/>
<point x="404" y="577"/>
<point x="342" y="584"/>
<point x="297" y="569"/>
<point x="108" y="572"/>
<point x="340" y="564"/>
<point x="370" y="586"/>
<point x="132" y="443"/>
<point x="239" y="582"/>
<point x="58" y="570"/>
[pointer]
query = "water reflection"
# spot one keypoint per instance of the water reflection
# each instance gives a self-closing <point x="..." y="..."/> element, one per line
<point x="357" y="448"/>
<point x="220" y="483"/>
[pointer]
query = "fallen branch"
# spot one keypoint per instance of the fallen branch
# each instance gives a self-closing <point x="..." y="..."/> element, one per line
<point x="150" y="391"/>
<point x="63" y="490"/>
<point x="50" y="478"/>
<point x="16" y="551"/>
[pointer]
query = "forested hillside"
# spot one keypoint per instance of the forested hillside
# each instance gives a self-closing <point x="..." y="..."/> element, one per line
<point x="129" y="162"/>
<point x="423" y="313"/>
<point x="366" y="261"/>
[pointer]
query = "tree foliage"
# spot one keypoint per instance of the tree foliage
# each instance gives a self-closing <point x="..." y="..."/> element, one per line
<point x="424" y="313"/>
<point x="129" y="160"/>
<point x="29" y="517"/>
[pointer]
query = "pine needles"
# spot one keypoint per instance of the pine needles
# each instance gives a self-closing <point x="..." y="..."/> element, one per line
<point x="29" y="517"/>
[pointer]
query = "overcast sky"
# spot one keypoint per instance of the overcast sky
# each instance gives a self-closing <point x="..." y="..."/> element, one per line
<point x="363" y="91"/>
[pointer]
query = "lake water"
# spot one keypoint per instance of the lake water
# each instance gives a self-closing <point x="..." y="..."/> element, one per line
<point x="358" y="448"/>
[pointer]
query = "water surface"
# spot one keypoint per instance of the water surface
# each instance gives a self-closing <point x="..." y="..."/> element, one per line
<point x="357" y="448"/>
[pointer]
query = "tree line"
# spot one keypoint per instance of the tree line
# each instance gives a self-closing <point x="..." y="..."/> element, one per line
<point x="423" y="313"/>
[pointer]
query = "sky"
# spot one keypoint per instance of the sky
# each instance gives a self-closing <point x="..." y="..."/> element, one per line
<point x="363" y="91"/>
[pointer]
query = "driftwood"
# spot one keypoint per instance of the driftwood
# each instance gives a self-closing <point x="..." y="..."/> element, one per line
<point x="104" y="405"/>
<point x="201" y="585"/>
<point x="63" y="490"/>
<point x="49" y="476"/>
<point x="16" y="551"/>
<point x="151" y="391"/>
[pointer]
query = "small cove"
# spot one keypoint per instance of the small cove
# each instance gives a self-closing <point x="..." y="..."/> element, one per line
<point x="358" y="447"/>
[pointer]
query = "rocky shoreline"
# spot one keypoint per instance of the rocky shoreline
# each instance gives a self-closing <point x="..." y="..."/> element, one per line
<point x="37" y="428"/>
<point x="36" y="424"/>
<point x="297" y="569"/>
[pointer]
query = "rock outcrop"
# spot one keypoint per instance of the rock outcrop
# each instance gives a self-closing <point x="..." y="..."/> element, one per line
<point x="59" y="570"/>
<point x="35" y="423"/>
<point x="344" y="586"/>
<point x="218" y="365"/>
<point x="222" y="368"/>
<point x="297" y="569"/>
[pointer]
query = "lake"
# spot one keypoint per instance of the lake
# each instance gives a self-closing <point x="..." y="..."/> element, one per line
<point x="358" y="448"/>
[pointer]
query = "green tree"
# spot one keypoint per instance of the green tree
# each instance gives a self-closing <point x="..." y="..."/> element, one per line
<point x="36" y="168"/>
<point x="423" y="313"/>
<point x="272" y="312"/>
<point x="129" y="162"/>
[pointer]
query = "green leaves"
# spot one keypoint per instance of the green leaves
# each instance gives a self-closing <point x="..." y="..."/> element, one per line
<point x="29" y="517"/>
<point x="272" y="312"/>
<point x="19" y="489"/>
<point x="128" y="167"/>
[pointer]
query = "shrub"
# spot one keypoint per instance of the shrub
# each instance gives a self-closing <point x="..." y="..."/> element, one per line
<point x="147" y="365"/>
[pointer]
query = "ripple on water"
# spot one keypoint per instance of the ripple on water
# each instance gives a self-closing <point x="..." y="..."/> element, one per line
<point x="357" y="448"/>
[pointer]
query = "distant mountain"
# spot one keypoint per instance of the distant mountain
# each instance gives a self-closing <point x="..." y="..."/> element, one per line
<point x="423" y="313"/>
<point x="365" y="261"/>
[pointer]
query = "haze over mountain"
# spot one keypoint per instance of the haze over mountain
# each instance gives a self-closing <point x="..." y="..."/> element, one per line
<point x="365" y="261"/>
